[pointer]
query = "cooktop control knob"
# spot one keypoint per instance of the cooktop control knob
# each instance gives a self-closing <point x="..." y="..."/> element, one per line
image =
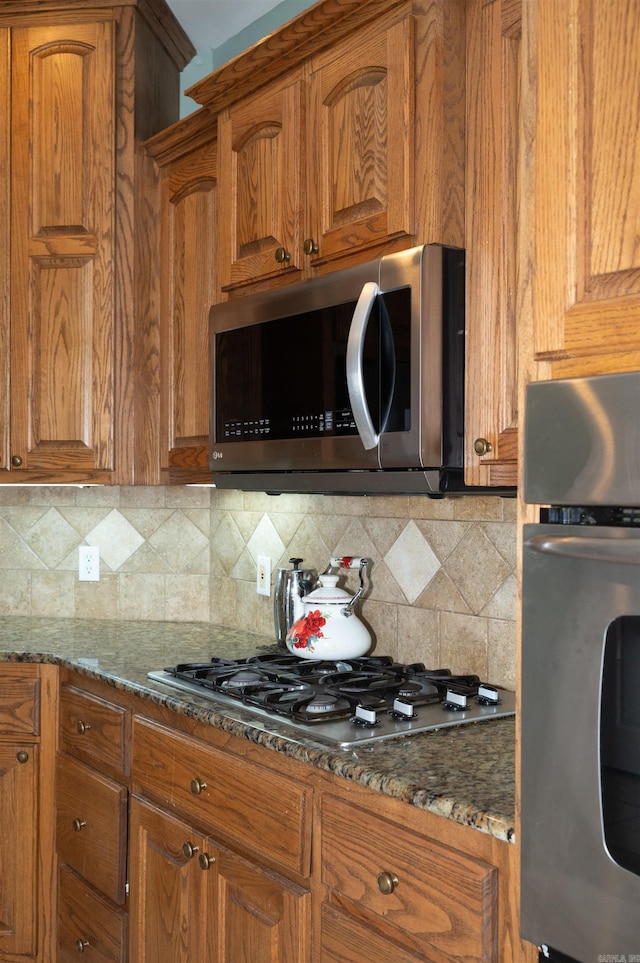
<point x="488" y="695"/>
<point x="365" y="716"/>
<point x="402" y="709"/>
<point x="454" y="700"/>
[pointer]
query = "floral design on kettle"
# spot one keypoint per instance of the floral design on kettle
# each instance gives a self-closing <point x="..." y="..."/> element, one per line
<point x="306" y="631"/>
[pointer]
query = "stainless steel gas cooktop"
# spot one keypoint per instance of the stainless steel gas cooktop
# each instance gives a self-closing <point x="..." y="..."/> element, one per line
<point x="341" y="703"/>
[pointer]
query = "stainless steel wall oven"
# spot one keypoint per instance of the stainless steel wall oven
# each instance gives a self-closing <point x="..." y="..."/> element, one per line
<point x="581" y="670"/>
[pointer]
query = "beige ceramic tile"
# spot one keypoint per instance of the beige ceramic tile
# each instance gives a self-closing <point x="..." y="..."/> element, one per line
<point x="15" y="597"/>
<point x="222" y="595"/>
<point x="478" y="507"/>
<point x="15" y="553"/>
<point x="476" y="568"/>
<point x="463" y="643"/>
<point x="503" y="604"/>
<point x="116" y="538"/>
<point x="442" y="595"/>
<point x="97" y="600"/>
<point x="265" y="540"/>
<point x="503" y="535"/>
<point x="419" y="636"/>
<point x="53" y="594"/>
<point x="502" y="654"/>
<point x="141" y="596"/>
<point x="412" y="562"/>
<point x="52" y="538"/>
<point x="142" y="496"/>
<point x="187" y="598"/>
<point x="227" y="543"/>
<point x="443" y="536"/>
<point x="178" y="541"/>
<point x="381" y="619"/>
<point x="421" y="506"/>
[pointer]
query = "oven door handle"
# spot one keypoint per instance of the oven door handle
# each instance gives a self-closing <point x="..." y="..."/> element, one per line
<point x="588" y="548"/>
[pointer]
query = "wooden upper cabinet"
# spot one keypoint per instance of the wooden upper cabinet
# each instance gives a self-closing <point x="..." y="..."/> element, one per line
<point x="78" y="319"/>
<point x="582" y="197"/>
<point x="62" y="228"/>
<point x="361" y="157"/>
<point x="187" y="157"/>
<point x="494" y="32"/>
<point x="356" y="152"/>
<point x="261" y="185"/>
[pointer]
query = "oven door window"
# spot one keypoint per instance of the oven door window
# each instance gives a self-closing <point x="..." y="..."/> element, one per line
<point x="620" y="742"/>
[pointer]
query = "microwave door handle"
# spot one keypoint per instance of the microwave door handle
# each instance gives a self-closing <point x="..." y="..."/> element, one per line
<point x="588" y="548"/>
<point x="355" y="373"/>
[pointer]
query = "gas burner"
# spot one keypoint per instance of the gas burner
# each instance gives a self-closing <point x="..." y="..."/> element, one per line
<point x="343" y="702"/>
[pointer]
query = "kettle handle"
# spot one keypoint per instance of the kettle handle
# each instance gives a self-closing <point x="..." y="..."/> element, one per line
<point x="351" y="561"/>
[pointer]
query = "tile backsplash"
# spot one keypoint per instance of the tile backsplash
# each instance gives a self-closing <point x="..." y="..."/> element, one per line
<point x="443" y="588"/>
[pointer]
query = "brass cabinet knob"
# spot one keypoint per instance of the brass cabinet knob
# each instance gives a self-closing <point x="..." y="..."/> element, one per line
<point x="16" y="461"/>
<point x="482" y="447"/>
<point x="197" y="786"/>
<point x="81" y="945"/>
<point x="387" y="882"/>
<point x="189" y="850"/>
<point x="282" y="256"/>
<point x="78" y="825"/>
<point x="22" y="756"/>
<point x="310" y="246"/>
<point x="205" y="861"/>
<point x="82" y="727"/>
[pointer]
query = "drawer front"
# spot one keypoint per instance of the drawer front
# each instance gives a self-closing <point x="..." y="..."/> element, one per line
<point x="91" y="826"/>
<point x="438" y="900"/>
<point x="87" y="924"/>
<point x="94" y="730"/>
<point x="19" y="701"/>
<point x="258" y="810"/>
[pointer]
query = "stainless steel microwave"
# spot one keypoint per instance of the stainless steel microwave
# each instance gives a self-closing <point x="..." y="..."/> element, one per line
<point x="350" y="382"/>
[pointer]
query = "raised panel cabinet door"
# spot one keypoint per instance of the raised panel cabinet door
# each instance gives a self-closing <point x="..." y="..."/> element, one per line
<point x="361" y="135"/>
<point x="172" y="879"/>
<point x="260" y="917"/>
<point x="494" y="32"/>
<point x="261" y="153"/>
<point x="62" y="247"/>
<point x="18" y="850"/>
<point x="581" y="270"/>
<point x="189" y="218"/>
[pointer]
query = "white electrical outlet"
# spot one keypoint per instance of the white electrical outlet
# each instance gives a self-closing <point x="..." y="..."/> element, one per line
<point x="263" y="575"/>
<point x="89" y="563"/>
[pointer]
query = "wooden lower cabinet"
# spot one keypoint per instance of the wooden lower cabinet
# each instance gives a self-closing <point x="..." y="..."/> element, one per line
<point x="192" y="899"/>
<point x="27" y="705"/>
<point x="88" y="924"/>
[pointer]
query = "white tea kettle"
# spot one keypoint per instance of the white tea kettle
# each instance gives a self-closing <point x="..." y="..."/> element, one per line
<point x="325" y="625"/>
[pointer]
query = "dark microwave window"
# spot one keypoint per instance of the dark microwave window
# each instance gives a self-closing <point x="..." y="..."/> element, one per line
<point x="620" y="742"/>
<point x="286" y="378"/>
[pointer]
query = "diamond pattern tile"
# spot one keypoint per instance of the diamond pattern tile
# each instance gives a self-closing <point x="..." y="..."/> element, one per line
<point x="411" y="561"/>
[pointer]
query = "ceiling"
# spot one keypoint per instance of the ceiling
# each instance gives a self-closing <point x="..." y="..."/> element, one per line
<point x="209" y="23"/>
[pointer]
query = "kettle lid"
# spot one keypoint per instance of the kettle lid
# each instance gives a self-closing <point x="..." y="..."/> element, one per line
<point x="328" y="591"/>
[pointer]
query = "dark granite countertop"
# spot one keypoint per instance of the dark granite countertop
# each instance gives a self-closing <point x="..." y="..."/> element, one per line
<point x="465" y="773"/>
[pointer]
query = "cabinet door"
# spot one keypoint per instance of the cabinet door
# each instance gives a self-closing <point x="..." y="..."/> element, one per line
<point x="62" y="225"/>
<point x="169" y="889"/>
<point x="189" y="211"/>
<point x="493" y="46"/>
<point x="582" y="190"/>
<point x="261" y="151"/>
<point x="261" y="918"/>
<point x="18" y="849"/>
<point x="361" y="124"/>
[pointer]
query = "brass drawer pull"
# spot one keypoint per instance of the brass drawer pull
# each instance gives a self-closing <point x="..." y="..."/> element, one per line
<point x="197" y="786"/>
<point x="189" y="850"/>
<point x="310" y="247"/>
<point x="79" y="824"/>
<point x="205" y="861"/>
<point x="22" y="756"/>
<point x="16" y="461"/>
<point x="387" y="882"/>
<point x="282" y="256"/>
<point x="81" y="945"/>
<point x="82" y="727"/>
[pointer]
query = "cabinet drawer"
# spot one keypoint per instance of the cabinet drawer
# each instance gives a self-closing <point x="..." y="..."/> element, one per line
<point x="91" y="826"/>
<point x="88" y="924"/>
<point x="94" y="730"/>
<point x="440" y="899"/>
<point x="260" y="811"/>
<point x="19" y="701"/>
